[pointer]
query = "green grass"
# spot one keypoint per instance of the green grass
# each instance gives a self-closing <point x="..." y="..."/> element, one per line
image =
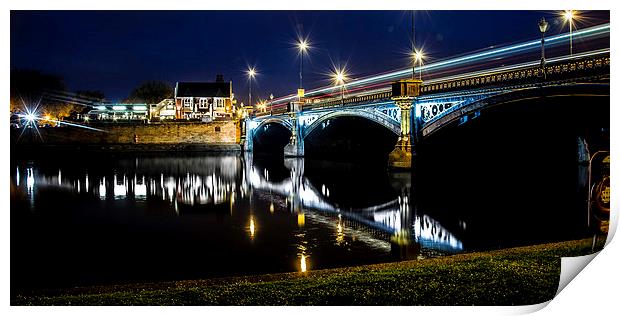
<point x="517" y="276"/>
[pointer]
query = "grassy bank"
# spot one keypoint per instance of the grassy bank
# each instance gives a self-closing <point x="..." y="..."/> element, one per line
<point x="517" y="276"/>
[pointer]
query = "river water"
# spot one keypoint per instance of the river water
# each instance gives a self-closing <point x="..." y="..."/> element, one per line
<point x="109" y="219"/>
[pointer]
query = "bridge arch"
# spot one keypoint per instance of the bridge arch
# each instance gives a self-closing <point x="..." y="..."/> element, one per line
<point x="382" y="120"/>
<point x="284" y="122"/>
<point x="268" y="136"/>
<point x="481" y="103"/>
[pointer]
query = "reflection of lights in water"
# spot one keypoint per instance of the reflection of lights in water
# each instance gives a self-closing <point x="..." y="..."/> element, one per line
<point x="271" y="208"/>
<point x="427" y="229"/>
<point x="59" y="177"/>
<point x="252" y="227"/>
<point x="17" y="177"/>
<point x="139" y="188"/>
<point x="170" y="187"/>
<point x="301" y="219"/>
<point x="102" y="188"/>
<point x="400" y="237"/>
<point x="303" y="263"/>
<point x="78" y="185"/>
<point x="86" y="183"/>
<point x="120" y="187"/>
<point x="339" y="232"/>
<point x="30" y="181"/>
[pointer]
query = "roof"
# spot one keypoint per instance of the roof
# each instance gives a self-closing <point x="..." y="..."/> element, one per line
<point x="203" y="89"/>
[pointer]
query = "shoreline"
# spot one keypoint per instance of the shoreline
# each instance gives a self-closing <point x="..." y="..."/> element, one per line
<point x="25" y="149"/>
<point x="513" y="276"/>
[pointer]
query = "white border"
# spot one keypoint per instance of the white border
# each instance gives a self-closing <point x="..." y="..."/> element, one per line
<point x="592" y="292"/>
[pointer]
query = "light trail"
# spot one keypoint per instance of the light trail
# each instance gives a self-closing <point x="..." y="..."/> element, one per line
<point x="491" y="54"/>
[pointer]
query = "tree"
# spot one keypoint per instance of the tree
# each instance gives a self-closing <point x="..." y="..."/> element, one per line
<point x="28" y="88"/>
<point x="151" y="92"/>
<point x="44" y="92"/>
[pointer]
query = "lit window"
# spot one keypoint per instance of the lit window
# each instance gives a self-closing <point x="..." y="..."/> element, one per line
<point x="187" y="102"/>
<point x="203" y="103"/>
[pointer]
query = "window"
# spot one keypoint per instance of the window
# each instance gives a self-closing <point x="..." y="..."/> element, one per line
<point x="203" y="103"/>
<point x="187" y="102"/>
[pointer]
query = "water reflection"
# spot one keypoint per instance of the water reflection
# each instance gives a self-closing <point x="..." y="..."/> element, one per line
<point x="392" y="218"/>
<point x="276" y="205"/>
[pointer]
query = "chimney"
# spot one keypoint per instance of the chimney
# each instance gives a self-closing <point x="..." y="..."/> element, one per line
<point x="219" y="78"/>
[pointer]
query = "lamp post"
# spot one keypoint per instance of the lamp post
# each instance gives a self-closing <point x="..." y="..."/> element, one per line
<point x="251" y="73"/>
<point x="303" y="46"/>
<point x="419" y="57"/>
<point x="413" y="44"/>
<point x="568" y="16"/>
<point x="542" y="26"/>
<point x="339" y="76"/>
<point x="271" y="104"/>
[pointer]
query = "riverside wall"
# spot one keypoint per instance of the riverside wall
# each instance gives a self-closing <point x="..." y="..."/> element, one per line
<point x="217" y="135"/>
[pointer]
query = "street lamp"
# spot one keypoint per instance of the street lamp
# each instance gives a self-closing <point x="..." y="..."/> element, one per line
<point x="303" y="47"/>
<point x="271" y="104"/>
<point x="569" y="16"/>
<point x="338" y="77"/>
<point x="542" y="26"/>
<point x="251" y="73"/>
<point x="418" y="56"/>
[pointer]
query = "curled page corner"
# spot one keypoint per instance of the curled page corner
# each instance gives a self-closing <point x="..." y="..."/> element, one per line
<point x="571" y="266"/>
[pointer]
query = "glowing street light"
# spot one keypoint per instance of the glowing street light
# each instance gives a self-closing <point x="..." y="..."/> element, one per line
<point x="303" y="47"/>
<point x="338" y="77"/>
<point x="30" y="117"/>
<point x="418" y="56"/>
<point x="251" y="74"/>
<point x="569" y="16"/>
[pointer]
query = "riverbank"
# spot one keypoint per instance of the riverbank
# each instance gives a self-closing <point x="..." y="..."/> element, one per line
<point x="28" y="149"/>
<point x="515" y="276"/>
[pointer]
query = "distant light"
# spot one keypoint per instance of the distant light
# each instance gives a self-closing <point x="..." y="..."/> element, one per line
<point x="119" y="108"/>
<point x="418" y="55"/>
<point x="251" y="72"/>
<point x="139" y="108"/>
<point x="303" y="45"/>
<point x="339" y="76"/>
<point x="30" y="117"/>
<point x="569" y="15"/>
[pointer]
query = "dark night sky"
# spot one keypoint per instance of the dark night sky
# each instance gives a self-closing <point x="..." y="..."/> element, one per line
<point x="114" y="51"/>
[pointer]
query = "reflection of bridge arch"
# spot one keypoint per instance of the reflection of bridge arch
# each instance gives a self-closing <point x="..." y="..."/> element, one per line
<point x="371" y="115"/>
<point x="392" y="217"/>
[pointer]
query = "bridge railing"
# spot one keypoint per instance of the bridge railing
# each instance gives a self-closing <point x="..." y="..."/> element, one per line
<point x="565" y="71"/>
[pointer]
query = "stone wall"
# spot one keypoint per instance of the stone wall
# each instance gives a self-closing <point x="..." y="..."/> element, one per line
<point x="218" y="132"/>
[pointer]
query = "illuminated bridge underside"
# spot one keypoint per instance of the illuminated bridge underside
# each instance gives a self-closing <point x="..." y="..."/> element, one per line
<point x="443" y="101"/>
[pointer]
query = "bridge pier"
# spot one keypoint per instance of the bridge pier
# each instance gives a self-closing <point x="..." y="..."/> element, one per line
<point x="403" y="94"/>
<point x="295" y="146"/>
<point x="247" y="135"/>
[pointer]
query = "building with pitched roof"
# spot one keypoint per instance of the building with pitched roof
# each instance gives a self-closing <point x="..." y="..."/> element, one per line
<point x="204" y="99"/>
